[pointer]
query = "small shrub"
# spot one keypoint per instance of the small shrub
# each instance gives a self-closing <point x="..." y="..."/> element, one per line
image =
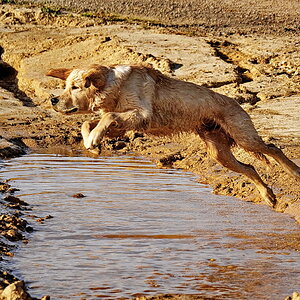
<point x="7" y="2"/>
<point x="51" y="11"/>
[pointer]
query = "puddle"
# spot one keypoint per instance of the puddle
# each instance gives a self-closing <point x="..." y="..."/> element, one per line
<point x="144" y="231"/>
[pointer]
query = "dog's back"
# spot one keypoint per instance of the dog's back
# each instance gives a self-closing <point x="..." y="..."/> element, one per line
<point x="185" y="106"/>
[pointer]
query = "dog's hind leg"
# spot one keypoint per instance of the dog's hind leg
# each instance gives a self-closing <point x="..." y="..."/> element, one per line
<point x="218" y="147"/>
<point x="277" y="154"/>
<point x="241" y="129"/>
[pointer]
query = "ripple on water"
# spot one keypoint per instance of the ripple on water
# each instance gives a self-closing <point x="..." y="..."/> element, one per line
<point x="143" y="231"/>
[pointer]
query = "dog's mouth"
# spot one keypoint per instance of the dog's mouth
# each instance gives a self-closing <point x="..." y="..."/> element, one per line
<point x="67" y="111"/>
<point x="71" y="110"/>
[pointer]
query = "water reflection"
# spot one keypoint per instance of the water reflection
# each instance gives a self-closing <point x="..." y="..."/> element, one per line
<point x="144" y="231"/>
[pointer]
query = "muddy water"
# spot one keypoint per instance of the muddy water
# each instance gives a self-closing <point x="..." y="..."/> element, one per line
<point x="143" y="231"/>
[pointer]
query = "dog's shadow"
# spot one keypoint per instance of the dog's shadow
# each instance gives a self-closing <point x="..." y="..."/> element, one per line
<point x="10" y="82"/>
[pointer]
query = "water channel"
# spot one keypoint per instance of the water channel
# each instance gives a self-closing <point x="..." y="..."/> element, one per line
<point x="140" y="230"/>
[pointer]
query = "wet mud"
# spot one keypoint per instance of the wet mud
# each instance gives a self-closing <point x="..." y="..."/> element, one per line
<point x="257" y="63"/>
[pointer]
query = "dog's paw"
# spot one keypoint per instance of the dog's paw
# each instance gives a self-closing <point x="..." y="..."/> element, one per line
<point x="95" y="151"/>
<point x="93" y="140"/>
<point x="270" y="198"/>
<point x="86" y="144"/>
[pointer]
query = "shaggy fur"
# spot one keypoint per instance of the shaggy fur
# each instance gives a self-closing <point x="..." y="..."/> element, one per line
<point x="143" y="99"/>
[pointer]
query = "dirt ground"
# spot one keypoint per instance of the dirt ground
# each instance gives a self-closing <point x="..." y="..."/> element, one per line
<point x="248" y="50"/>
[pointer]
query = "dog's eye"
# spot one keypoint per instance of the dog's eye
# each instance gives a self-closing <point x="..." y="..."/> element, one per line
<point x="74" y="87"/>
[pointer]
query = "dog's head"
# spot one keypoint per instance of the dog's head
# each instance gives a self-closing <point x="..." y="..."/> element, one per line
<point x="80" y="90"/>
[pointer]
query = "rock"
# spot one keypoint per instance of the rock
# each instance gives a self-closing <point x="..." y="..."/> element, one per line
<point x="78" y="195"/>
<point x="13" y="235"/>
<point x="169" y="160"/>
<point x="12" y="190"/>
<point x="15" y="291"/>
<point x="41" y="220"/>
<point x="10" y="221"/>
<point x="15" y="200"/>
<point x="10" y="226"/>
<point x="119" y="145"/>
<point x="4" y="187"/>
<point x="11" y="148"/>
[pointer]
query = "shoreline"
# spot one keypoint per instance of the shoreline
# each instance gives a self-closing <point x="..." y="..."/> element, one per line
<point x="16" y="221"/>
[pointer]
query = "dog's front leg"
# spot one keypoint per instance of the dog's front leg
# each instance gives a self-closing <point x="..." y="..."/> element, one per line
<point x="92" y="138"/>
<point x="86" y="129"/>
<point x="136" y="119"/>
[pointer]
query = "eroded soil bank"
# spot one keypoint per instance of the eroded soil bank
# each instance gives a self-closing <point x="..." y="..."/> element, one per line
<point x="258" y="66"/>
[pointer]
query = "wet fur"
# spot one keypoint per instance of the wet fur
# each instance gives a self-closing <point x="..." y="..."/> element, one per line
<point x="143" y="99"/>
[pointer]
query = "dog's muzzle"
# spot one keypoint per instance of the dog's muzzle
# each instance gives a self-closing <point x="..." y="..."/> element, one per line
<point x="54" y="102"/>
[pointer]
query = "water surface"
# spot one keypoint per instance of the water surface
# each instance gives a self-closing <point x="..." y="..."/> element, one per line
<point x="144" y="231"/>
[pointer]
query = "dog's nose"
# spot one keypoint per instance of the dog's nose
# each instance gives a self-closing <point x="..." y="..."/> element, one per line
<point x="54" y="100"/>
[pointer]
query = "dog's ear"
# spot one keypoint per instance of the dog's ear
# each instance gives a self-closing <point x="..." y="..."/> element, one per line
<point x="97" y="76"/>
<point x="61" y="73"/>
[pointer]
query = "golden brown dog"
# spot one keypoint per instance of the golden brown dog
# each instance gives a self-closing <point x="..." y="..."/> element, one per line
<point x="143" y="99"/>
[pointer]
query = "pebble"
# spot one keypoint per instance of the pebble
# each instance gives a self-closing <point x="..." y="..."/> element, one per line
<point x="78" y="195"/>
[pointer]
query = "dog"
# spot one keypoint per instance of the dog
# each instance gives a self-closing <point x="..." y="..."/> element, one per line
<point x="141" y="98"/>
